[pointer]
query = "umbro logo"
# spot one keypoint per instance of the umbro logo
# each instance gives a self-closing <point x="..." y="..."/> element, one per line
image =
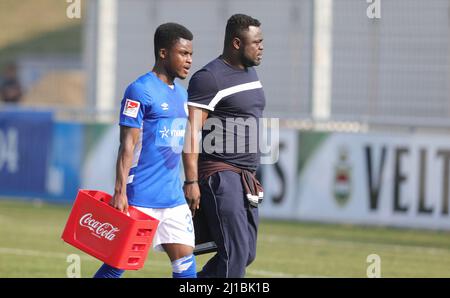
<point x="165" y="106"/>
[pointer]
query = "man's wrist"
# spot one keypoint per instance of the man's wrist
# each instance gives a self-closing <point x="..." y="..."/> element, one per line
<point x="190" y="181"/>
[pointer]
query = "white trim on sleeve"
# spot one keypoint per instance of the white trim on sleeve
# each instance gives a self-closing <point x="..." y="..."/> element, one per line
<point x="198" y="105"/>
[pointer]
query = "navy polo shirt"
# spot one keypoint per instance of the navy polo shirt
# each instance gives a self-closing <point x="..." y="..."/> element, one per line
<point x="235" y="101"/>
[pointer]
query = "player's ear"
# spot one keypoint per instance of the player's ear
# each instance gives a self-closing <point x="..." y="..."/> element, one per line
<point x="163" y="53"/>
<point x="236" y="42"/>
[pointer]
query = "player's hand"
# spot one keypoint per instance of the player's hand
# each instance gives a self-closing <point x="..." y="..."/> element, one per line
<point x="192" y="194"/>
<point x="120" y="202"/>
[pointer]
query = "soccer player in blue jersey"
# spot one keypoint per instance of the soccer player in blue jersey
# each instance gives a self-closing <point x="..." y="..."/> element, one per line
<point x="153" y="117"/>
<point x="224" y="95"/>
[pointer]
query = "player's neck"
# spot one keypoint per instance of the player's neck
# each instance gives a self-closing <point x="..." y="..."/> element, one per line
<point x="163" y="75"/>
<point x="232" y="60"/>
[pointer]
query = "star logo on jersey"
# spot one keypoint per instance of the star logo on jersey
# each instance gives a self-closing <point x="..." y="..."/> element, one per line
<point x="165" y="106"/>
<point x="164" y="133"/>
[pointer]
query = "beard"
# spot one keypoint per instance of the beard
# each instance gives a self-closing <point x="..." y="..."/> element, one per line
<point x="248" y="62"/>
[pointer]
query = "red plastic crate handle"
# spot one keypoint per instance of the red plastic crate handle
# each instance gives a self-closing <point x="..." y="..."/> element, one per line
<point x="103" y="197"/>
<point x="98" y="195"/>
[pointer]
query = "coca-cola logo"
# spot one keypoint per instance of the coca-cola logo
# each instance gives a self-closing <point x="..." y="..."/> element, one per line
<point x="99" y="229"/>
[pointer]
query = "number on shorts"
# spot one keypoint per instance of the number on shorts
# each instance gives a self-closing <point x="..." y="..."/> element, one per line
<point x="190" y="227"/>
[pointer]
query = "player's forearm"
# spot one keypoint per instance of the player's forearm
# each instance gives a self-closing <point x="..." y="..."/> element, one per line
<point x="190" y="162"/>
<point x="123" y="165"/>
<point x="197" y="118"/>
<point x="191" y="150"/>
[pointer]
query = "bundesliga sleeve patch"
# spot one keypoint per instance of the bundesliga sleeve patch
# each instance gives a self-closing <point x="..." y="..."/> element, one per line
<point x="131" y="108"/>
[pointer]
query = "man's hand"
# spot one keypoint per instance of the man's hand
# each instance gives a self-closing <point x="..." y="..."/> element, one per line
<point x="120" y="202"/>
<point x="192" y="194"/>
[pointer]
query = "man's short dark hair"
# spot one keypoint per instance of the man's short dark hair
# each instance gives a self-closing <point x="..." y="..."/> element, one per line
<point x="166" y="35"/>
<point x="237" y="24"/>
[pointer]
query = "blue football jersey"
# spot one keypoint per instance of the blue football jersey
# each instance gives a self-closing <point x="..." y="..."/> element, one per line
<point x="160" y="112"/>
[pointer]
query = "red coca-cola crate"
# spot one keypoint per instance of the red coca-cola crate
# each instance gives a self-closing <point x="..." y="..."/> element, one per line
<point x="118" y="239"/>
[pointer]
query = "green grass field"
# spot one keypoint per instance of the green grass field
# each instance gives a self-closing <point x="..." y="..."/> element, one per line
<point x="30" y="246"/>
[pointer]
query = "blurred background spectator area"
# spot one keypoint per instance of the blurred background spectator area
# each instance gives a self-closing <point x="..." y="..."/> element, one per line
<point x="45" y="46"/>
<point x="324" y="60"/>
